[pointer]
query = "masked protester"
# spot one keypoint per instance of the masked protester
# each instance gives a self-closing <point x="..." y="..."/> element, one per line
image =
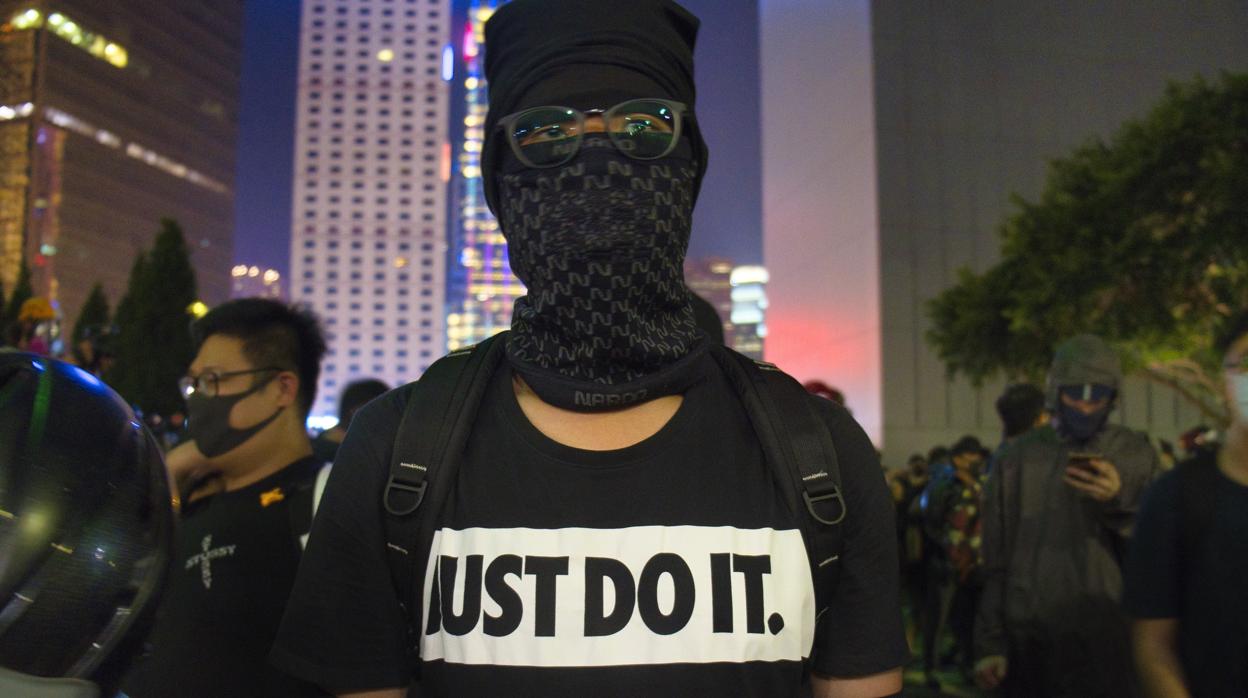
<point x="1058" y="506"/>
<point x="612" y="519"/>
<point x="247" y="485"/>
<point x="1189" y="558"/>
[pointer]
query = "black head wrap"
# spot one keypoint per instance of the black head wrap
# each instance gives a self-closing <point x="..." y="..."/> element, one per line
<point x="586" y="55"/>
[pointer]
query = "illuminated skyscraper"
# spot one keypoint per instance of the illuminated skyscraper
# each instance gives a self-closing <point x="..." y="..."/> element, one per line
<point x="253" y="281"/>
<point x="749" y="310"/>
<point x="482" y="289"/>
<point x="368" y="244"/>
<point x="712" y="280"/>
<point x="114" y="115"/>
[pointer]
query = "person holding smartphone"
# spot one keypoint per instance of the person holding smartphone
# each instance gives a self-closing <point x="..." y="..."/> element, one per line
<point x="1057" y="509"/>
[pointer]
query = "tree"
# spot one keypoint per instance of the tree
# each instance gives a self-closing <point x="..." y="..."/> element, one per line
<point x="125" y="375"/>
<point x="22" y="292"/>
<point x="1142" y="239"/>
<point x="154" y="346"/>
<point x="93" y="318"/>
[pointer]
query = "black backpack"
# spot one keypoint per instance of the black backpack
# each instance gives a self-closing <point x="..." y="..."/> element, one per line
<point x="439" y="417"/>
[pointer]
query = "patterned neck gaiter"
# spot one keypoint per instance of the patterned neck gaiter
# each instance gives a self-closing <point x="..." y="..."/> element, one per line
<point x="600" y="243"/>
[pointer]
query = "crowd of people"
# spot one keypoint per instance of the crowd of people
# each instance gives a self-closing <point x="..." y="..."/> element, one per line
<point x="1015" y="560"/>
<point x="939" y="497"/>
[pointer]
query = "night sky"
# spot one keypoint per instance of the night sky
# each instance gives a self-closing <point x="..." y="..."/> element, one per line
<point x="728" y="218"/>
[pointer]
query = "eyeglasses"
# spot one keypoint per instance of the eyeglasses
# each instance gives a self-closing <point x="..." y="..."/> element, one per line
<point x="209" y="384"/>
<point x="642" y="129"/>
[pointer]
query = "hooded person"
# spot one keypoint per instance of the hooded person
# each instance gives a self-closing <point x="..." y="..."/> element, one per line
<point x="607" y="445"/>
<point x="1083" y="387"/>
<point x="1058" y="506"/>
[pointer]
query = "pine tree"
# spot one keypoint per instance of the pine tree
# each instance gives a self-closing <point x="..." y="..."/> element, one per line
<point x="173" y="289"/>
<point x="125" y="375"/>
<point x="92" y="320"/>
<point x="22" y="292"/>
<point x="154" y="346"/>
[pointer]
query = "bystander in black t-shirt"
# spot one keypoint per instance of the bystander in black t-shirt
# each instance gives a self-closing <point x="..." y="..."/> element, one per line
<point x="668" y="568"/>
<point x="1205" y="589"/>
<point x="234" y="564"/>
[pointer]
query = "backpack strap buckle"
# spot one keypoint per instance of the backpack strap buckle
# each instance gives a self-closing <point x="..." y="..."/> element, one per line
<point x="415" y="491"/>
<point x="818" y="488"/>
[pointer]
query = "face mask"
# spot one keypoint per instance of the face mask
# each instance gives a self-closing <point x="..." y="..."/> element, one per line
<point x="1239" y="396"/>
<point x="209" y="422"/>
<point x="600" y="244"/>
<point x="1078" y="426"/>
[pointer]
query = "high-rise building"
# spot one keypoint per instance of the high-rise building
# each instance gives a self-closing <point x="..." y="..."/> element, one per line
<point x="749" y="310"/>
<point x="940" y="113"/>
<point x="711" y="278"/>
<point x="114" y="115"/>
<point x="253" y="281"/>
<point x="372" y="162"/>
<point x="481" y="288"/>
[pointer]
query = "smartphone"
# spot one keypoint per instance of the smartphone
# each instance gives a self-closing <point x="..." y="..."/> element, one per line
<point x="1083" y="459"/>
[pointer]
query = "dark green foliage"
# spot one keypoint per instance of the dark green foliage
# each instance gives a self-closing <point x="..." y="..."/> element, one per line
<point x="154" y="346"/>
<point x="93" y="319"/>
<point x="1142" y="239"/>
<point x="22" y="291"/>
<point x="125" y="376"/>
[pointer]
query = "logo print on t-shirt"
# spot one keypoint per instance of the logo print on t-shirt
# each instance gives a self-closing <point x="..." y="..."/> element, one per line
<point x="272" y="496"/>
<point x="597" y="597"/>
<point x="205" y="558"/>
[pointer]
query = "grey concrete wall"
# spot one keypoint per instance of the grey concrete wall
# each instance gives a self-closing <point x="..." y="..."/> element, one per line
<point x="972" y="99"/>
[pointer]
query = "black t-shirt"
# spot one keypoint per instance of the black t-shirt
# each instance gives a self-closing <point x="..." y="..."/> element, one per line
<point x="1203" y="588"/>
<point x="668" y="568"/>
<point x="234" y="564"/>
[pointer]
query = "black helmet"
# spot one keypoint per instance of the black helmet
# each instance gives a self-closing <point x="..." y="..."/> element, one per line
<point x="85" y="527"/>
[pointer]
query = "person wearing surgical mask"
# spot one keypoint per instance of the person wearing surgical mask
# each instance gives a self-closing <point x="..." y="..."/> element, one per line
<point x="1058" y="507"/>
<point x="245" y="479"/>
<point x="1189" y="558"/>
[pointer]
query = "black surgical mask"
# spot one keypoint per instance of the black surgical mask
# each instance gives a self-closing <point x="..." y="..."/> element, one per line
<point x="600" y="244"/>
<point x="1074" y="423"/>
<point x="209" y="422"/>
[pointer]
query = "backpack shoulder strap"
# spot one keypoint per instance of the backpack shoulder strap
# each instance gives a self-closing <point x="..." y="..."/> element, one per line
<point x="798" y="445"/>
<point x="431" y="434"/>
